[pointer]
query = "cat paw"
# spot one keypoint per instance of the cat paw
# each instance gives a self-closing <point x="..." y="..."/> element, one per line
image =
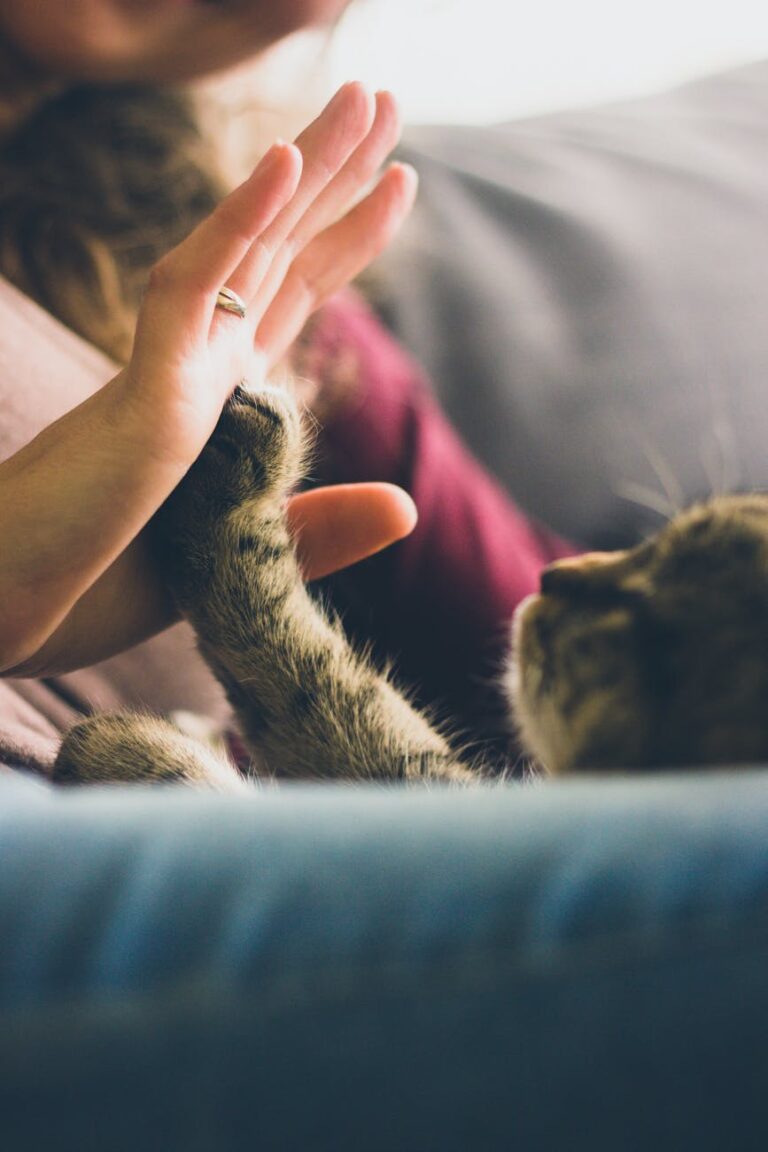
<point x="257" y="445"/>
<point x="133" y="748"/>
<point x="251" y="462"/>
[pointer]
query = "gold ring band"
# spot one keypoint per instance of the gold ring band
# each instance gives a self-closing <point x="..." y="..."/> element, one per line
<point x="230" y="302"/>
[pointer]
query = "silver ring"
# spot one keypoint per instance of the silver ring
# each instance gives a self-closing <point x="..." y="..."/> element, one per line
<point x="230" y="302"/>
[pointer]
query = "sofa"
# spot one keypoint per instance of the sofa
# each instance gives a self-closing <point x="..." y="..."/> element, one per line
<point x="578" y="964"/>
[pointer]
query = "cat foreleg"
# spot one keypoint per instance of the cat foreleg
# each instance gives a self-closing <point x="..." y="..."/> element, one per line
<point x="133" y="748"/>
<point x="309" y="704"/>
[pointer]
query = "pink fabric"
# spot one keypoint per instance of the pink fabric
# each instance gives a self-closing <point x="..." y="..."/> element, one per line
<point x="440" y="602"/>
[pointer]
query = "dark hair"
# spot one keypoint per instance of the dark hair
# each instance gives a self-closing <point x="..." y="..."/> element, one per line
<point x="96" y="184"/>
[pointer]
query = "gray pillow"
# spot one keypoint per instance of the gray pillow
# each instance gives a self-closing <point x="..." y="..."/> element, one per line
<point x="590" y="293"/>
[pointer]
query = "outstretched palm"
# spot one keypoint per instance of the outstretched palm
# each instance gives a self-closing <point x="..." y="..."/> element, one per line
<point x="283" y="244"/>
<point x="77" y="581"/>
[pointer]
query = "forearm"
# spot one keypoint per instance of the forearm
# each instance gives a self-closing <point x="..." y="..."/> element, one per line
<point x="71" y="502"/>
<point x="126" y="605"/>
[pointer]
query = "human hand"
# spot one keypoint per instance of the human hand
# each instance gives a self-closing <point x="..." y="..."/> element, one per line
<point x="76" y="583"/>
<point x="283" y="244"/>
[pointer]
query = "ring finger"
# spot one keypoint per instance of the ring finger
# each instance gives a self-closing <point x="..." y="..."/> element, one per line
<point x="334" y="200"/>
<point x="325" y="146"/>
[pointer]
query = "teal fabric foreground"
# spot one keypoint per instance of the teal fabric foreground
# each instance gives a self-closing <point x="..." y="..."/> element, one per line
<point x="575" y="965"/>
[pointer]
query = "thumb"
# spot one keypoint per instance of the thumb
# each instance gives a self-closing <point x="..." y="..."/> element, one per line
<point x="337" y="526"/>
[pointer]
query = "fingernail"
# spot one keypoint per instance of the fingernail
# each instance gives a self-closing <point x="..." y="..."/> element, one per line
<point x="345" y="88"/>
<point x="274" y="151"/>
<point x="271" y="156"/>
<point x="408" y="169"/>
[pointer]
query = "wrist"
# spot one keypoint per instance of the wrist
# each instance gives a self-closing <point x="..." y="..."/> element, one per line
<point x="71" y="502"/>
<point x="164" y="428"/>
<point x="125" y="606"/>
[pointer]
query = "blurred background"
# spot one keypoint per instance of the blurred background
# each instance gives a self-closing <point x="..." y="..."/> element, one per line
<point x="484" y="60"/>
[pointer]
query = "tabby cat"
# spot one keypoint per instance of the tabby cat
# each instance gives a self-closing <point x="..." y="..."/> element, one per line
<point x="648" y="658"/>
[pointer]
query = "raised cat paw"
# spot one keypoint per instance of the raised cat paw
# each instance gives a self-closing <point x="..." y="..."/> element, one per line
<point x="236" y="487"/>
<point x="258" y="445"/>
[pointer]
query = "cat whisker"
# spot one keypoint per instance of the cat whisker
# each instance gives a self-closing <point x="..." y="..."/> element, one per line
<point x="664" y="473"/>
<point x="645" y="497"/>
<point x="667" y="502"/>
<point x="723" y="454"/>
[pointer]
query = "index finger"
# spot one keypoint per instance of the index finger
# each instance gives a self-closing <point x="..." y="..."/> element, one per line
<point x="325" y="145"/>
<point x="185" y="282"/>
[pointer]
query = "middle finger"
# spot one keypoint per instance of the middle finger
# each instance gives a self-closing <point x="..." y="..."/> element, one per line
<point x="330" y="204"/>
<point x="325" y="145"/>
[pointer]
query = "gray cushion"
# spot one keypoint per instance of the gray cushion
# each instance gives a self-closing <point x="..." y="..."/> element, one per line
<point x="590" y="294"/>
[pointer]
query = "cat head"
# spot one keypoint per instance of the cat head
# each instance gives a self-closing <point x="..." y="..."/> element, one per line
<point x="652" y="657"/>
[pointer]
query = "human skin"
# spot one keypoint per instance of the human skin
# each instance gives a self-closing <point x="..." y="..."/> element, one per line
<point x="157" y="41"/>
<point x="78" y="584"/>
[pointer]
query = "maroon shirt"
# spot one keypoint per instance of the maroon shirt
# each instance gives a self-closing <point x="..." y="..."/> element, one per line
<point x="439" y="603"/>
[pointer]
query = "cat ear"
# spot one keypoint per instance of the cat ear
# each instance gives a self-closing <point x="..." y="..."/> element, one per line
<point x="596" y="573"/>
<point x="577" y="572"/>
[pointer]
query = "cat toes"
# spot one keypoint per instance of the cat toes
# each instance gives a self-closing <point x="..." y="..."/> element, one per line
<point x="255" y="452"/>
<point x="252" y="460"/>
<point x="131" y="748"/>
<point x="259" y="433"/>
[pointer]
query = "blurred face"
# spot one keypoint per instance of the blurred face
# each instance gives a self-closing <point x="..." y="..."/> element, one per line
<point x="151" y="40"/>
